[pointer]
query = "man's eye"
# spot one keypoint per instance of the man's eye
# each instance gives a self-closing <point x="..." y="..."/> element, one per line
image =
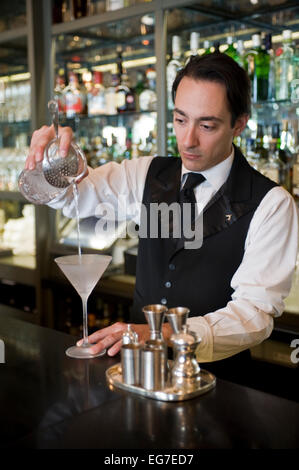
<point x="206" y="127"/>
<point x="179" y="121"/>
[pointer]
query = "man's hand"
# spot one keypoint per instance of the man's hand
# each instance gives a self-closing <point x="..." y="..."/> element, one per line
<point x="40" y="139"/>
<point x="110" y="338"/>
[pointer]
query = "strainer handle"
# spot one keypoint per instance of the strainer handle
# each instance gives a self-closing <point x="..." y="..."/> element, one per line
<point x="53" y="108"/>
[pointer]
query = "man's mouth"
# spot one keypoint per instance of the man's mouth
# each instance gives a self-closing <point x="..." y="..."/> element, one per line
<point x="191" y="156"/>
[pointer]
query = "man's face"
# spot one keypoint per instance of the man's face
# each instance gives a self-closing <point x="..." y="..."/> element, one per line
<point x="202" y="123"/>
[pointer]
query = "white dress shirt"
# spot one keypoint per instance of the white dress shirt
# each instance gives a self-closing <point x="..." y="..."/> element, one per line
<point x="264" y="276"/>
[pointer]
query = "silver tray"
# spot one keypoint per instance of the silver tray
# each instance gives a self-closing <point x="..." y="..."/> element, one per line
<point x="169" y="393"/>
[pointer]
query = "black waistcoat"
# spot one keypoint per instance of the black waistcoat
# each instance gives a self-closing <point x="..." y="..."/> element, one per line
<point x="198" y="279"/>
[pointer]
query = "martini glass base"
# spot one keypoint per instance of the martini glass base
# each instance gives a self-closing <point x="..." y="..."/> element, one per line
<point x="83" y="352"/>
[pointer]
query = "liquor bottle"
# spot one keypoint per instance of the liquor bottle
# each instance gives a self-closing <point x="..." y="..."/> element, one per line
<point x="74" y="100"/>
<point x="59" y="94"/>
<point x="125" y="98"/>
<point x="148" y="97"/>
<point x="127" y="153"/>
<point x="275" y="168"/>
<point x="271" y="77"/>
<point x="284" y="67"/>
<point x="139" y="87"/>
<point x="216" y="46"/>
<point x="96" y="98"/>
<point x="114" y="150"/>
<point x="150" y="146"/>
<point x="241" y="53"/>
<point x="87" y="80"/>
<point x="194" y="45"/>
<point x="67" y="11"/>
<point x="111" y="95"/>
<point x="287" y="139"/>
<point x="260" y="149"/>
<point x="116" y="4"/>
<point x="95" y="7"/>
<point x="79" y="8"/>
<point x="100" y="152"/>
<point x="174" y="65"/>
<point x="231" y="51"/>
<point x="295" y="81"/>
<point x="288" y="153"/>
<point x="284" y="154"/>
<point x="250" y="153"/>
<point x="207" y="47"/>
<point x="172" y="148"/>
<point x="258" y="61"/>
<point x="83" y="91"/>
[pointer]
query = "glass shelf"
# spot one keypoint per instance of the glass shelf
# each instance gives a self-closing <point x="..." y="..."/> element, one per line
<point x="82" y="118"/>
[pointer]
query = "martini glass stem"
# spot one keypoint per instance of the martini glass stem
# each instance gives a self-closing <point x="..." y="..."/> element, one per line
<point x="85" y="323"/>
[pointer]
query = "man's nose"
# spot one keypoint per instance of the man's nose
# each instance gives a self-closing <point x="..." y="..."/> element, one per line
<point x="191" y="137"/>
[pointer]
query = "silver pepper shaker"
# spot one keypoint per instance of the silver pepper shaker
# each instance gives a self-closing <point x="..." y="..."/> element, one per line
<point x="185" y="373"/>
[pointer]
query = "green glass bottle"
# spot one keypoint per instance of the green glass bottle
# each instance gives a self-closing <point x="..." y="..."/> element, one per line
<point x="231" y="51"/>
<point x="207" y="48"/>
<point x="258" y="64"/>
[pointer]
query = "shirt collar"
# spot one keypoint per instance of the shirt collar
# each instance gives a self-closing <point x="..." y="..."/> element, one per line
<point x="215" y="176"/>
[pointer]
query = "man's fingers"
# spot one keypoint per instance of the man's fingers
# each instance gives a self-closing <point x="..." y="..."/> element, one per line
<point x="41" y="138"/>
<point x="106" y="342"/>
<point x="115" y="348"/>
<point x="66" y="135"/>
<point x="116" y="329"/>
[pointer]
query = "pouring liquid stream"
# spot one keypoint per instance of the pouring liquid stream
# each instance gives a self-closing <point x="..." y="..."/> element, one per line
<point x="76" y="198"/>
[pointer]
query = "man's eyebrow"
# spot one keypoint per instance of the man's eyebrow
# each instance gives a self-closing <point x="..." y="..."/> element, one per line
<point x="199" y="119"/>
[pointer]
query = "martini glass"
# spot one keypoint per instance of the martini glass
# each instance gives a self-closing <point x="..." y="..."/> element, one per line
<point x="83" y="272"/>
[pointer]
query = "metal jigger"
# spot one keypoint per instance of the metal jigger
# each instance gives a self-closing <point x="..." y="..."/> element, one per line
<point x="177" y="317"/>
<point x="154" y="315"/>
<point x="154" y="367"/>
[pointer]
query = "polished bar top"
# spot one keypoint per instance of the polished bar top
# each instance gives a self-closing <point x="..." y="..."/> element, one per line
<point x="48" y="400"/>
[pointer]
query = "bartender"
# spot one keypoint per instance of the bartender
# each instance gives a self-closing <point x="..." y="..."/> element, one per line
<point x="234" y="282"/>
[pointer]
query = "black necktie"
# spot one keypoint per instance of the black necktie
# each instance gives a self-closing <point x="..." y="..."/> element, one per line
<point x="187" y="194"/>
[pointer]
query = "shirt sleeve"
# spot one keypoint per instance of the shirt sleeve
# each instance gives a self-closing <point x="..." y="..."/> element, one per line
<point x="260" y="284"/>
<point x="118" y="186"/>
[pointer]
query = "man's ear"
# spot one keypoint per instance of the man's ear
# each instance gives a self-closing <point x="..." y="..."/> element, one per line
<point x="240" y="124"/>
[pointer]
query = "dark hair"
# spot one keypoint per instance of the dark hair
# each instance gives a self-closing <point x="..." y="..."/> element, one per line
<point x="220" y="68"/>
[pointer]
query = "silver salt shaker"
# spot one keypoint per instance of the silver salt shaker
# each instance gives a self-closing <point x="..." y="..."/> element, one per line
<point x="130" y="357"/>
<point x="185" y="372"/>
<point x="154" y="366"/>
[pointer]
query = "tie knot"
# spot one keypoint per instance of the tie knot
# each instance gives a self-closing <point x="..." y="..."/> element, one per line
<point x="193" y="180"/>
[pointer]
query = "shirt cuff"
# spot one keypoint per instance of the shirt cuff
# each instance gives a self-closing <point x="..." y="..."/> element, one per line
<point x="204" y="351"/>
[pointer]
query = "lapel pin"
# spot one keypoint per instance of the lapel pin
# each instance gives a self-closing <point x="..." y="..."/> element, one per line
<point x="228" y="217"/>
